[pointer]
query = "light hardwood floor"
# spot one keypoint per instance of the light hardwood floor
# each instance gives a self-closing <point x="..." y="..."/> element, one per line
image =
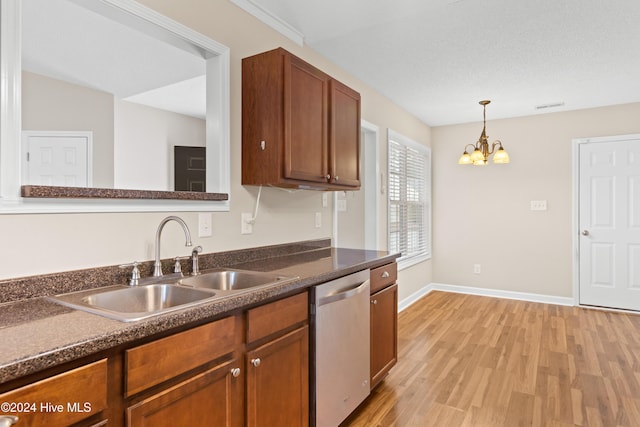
<point x="477" y="361"/>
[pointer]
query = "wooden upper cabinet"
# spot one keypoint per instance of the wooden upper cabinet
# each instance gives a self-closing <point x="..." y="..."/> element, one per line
<point x="344" y="139"/>
<point x="300" y="127"/>
<point x="306" y="121"/>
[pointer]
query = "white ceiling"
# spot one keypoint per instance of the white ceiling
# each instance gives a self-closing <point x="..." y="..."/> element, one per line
<point x="438" y="58"/>
<point x="70" y="41"/>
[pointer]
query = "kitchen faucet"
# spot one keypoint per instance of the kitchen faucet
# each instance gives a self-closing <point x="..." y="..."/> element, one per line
<point x="157" y="266"/>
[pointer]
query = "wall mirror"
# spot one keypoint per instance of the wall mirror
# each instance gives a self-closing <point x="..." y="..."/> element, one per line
<point x="109" y="87"/>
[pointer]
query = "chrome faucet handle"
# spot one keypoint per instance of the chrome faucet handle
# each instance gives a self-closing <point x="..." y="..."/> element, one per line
<point x="177" y="267"/>
<point x="195" y="268"/>
<point x="135" y="273"/>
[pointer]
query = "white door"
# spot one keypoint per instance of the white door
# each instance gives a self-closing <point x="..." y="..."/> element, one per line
<point x="56" y="158"/>
<point x="609" y="223"/>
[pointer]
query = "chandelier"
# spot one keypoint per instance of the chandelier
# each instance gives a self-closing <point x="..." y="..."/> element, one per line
<point x="481" y="152"/>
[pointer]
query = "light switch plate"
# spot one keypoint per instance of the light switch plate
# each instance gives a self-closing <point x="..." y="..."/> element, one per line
<point x="204" y="224"/>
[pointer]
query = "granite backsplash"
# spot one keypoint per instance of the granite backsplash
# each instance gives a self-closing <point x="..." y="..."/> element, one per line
<point x="13" y="290"/>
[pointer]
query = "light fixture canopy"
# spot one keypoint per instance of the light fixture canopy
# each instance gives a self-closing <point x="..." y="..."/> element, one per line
<point x="481" y="152"/>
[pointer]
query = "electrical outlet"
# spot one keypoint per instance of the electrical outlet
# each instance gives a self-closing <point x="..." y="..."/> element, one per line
<point x="318" y="219"/>
<point x="476" y="269"/>
<point x="204" y="225"/>
<point x="342" y="205"/>
<point x="538" y="205"/>
<point x="246" y="223"/>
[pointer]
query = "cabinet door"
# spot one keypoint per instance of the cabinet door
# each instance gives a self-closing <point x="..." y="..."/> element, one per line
<point x="278" y="381"/>
<point x="305" y="121"/>
<point x="61" y="400"/>
<point x="212" y="398"/>
<point x="344" y="138"/>
<point x="384" y="332"/>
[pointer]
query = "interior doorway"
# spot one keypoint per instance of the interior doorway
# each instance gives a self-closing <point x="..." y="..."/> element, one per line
<point x="607" y="235"/>
<point x="355" y="215"/>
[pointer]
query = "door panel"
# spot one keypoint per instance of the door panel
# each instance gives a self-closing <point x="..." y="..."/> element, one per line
<point x="190" y="168"/>
<point x="609" y="220"/>
<point x="56" y="160"/>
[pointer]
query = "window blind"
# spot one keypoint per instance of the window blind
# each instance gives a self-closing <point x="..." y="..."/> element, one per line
<point x="409" y="184"/>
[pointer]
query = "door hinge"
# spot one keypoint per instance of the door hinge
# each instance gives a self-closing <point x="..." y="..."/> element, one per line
<point x="28" y="156"/>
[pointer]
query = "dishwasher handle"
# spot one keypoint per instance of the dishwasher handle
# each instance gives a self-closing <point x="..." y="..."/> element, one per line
<point x="344" y="294"/>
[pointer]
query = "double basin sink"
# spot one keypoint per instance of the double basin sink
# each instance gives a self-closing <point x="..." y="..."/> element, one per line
<point x="134" y="303"/>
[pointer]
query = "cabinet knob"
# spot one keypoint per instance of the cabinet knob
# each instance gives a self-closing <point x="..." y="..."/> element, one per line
<point x="235" y="372"/>
<point x="328" y="177"/>
<point x="374" y="302"/>
<point x="263" y="145"/>
<point x="8" y="420"/>
<point x="385" y="275"/>
<point x="336" y="178"/>
<point x="255" y="362"/>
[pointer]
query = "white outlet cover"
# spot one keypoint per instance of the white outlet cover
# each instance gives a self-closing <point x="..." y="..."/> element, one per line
<point x="246" y="223"/>
<point x="538" y="205"/>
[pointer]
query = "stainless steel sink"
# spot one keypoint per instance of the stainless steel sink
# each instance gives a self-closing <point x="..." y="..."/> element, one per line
<point x="232" y="280"/>
<point x="135" y="303"/>
<point x="131" y="303"/>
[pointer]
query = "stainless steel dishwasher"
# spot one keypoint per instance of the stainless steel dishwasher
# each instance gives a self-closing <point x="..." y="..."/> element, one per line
<point x="341" y="340"/>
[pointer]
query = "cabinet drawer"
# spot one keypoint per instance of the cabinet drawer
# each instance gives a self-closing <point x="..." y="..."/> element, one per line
<point x="270" y="318"/>
<point x="62" y="399"/>
<point x="160" y="360"/>
<point x="384" y="276"/>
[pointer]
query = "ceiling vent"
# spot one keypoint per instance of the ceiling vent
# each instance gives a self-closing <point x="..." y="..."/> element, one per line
<point x="550" y="105"/>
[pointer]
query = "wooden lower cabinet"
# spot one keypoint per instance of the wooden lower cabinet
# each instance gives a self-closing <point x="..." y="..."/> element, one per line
<point x="270" y="387"/>
<point x="74" y="396"/>
<point x="249" y="368"/>
<point x="211" y="398"/>
<point x="278" y="381"/>
<point x="384" y="332"/>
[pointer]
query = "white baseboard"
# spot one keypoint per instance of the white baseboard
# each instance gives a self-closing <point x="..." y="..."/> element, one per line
<point x="496" y="293"/>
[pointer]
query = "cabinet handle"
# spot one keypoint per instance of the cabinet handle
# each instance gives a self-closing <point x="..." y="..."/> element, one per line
<point x="255" y="362"/>
<point x="235" y="372"/>
<point x="385" y="275"/>
<point x="263" y="145"/>
<point x="8" y="420"/>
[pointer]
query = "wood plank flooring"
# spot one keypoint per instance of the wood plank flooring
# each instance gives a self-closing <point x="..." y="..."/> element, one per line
<point x="477" y="361"/>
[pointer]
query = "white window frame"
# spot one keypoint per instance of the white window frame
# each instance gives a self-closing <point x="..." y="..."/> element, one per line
<point x="407" y="144"/>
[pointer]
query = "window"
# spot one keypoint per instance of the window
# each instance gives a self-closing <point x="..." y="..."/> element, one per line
<point x="409" y="217"/>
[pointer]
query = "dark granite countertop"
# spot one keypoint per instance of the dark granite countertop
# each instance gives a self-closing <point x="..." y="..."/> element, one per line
<point x="37" y="333"/>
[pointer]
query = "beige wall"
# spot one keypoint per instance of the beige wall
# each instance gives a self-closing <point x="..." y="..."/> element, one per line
<point x="54" y="105"/>
<point x="144" y="138"/>
<point x="36" y="244"/>
<point x="482" y="215"/>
